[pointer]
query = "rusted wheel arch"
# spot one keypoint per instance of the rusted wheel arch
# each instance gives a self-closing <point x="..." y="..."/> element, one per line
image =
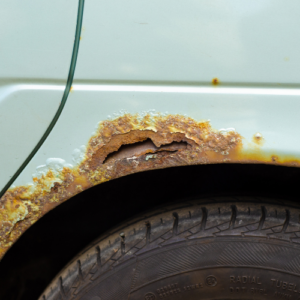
<point x="126" y="145"/>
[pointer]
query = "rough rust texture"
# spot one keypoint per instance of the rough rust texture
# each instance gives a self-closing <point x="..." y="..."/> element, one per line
<point x="126" y="145"/>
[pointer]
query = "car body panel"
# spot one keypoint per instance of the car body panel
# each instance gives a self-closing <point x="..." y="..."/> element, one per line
<point x="249" y="81"/>
<point x="244" y="112"/>
<point x="191" y="41"/>
<point x="37" y="38"/>
<point x="35" y="53"/>
<point x="25" y="113"/>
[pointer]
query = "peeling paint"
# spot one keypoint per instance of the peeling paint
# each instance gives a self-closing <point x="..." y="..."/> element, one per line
<point x="125" y="145"/>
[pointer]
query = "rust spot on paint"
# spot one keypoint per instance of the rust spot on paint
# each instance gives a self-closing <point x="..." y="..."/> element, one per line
<point x="126" y="145"/>
<point x="215" y="81"/>
<point x="258" y="139"/>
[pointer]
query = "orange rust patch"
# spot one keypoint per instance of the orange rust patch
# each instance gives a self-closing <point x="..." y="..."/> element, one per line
<point x="126" y="145"/>
<point x="215" y="81"/>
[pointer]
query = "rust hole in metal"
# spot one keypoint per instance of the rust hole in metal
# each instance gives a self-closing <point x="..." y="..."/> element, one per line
<point x="135" y="143"/>
<point x="142" y="148"/>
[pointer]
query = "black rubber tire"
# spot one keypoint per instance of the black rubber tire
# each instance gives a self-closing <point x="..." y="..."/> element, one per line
<point x="225" y="248"/>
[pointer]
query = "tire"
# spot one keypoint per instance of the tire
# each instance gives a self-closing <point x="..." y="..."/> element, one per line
<point x="210" y="249"/>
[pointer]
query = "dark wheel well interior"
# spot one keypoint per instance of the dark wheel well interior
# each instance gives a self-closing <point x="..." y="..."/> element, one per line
<point x="48" y="245"/>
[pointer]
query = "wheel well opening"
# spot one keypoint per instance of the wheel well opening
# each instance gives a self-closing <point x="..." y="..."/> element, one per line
<point x="48" y="245"/>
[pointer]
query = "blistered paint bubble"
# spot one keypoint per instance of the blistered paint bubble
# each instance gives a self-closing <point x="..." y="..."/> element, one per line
<point x="225" y="131"/>
<point x="56" y="164"/>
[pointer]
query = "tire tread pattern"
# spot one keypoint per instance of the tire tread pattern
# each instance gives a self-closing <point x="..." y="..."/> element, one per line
<point x="224" y="217"/>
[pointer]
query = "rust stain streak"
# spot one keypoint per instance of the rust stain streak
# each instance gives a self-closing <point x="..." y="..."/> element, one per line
<point x="123" y="146"/>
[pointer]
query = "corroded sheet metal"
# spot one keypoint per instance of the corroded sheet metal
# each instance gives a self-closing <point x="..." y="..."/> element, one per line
<point x="123" y="146"/>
